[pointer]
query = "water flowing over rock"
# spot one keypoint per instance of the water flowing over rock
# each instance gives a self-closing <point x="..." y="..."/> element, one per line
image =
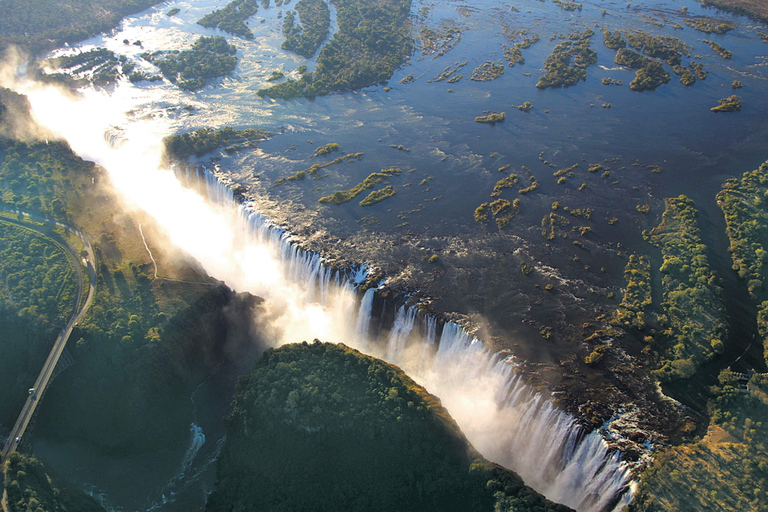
<point x="504" y="418"/>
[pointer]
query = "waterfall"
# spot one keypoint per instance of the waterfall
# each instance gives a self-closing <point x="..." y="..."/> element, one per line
<point x="502" y="416"/>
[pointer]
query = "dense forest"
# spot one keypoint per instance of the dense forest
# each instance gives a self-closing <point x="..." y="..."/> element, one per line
<point x="38" y="294"/>
<point x="372" y="42"/>
<point x="306" y="38"/>
<point x="43" y="24"/>
<point x="31" y="486"/>
<point x="378" y="442"/>
<point x="692" y="296"/>
<point x="204" y="140"/>
<point x="209" y="57"/>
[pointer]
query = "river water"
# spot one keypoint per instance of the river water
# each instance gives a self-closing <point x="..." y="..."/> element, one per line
<point x="457" y="158"/>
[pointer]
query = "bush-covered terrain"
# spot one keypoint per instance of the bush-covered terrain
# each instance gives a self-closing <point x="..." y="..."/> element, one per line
<point x="306" y="38"/>
<point x="209" y="57"/>
<point x="322" y="427"/>
<point x="43" y="24"/>
<point x="30" y="486"/>
<point x="373" y="40"/>
<point x="745" y="205"/>
<point x="232" y="18"/>
<point x="692" y="297"/>
<point x="727" y="469"/>
<point x="204" y="140"/>
<point x="38" y="294"/>
<point x="567" y="65"/>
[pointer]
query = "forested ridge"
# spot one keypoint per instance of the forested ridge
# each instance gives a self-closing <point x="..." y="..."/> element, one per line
<point x="323" y="427"/>
<point x="43" y="24"/>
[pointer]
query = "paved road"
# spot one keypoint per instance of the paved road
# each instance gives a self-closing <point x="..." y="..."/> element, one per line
<point x="58" y="347"/>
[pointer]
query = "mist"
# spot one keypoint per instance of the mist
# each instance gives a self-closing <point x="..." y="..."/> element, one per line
<point x="499" y="414"/>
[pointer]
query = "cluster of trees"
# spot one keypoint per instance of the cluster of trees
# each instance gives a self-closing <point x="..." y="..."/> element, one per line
<point x="99" y="66"/>
<point x="730" y="104"/>
<point x="692" y="297"/>
<point x="637" y="296"/>
<point x="568" y="62"/>
<point x="38" y="294"/>
<point x="209" y="57"/>
<point x="345" y="196"/>
<point x="29" y="485"/>
<point x="745" y="205"/>
<point x="727" y="470"/>
<point x="378" y="441"/>
<point x="204" y="140"/>
<point x="44" y="24"/>
<point x="305" y="39"/>
<point x="373" y="40"/>
<point x="710" y="25"/>
<point x="232" y="18"/>
<point x="650" y="73"/>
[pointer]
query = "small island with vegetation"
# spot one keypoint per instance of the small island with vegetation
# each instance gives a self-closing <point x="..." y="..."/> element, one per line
<point x="306" y="38"/>
<point x="730" y="104"/>
<point x="205" y="140"/>
<point x="568" y="62"/>
<point x="232" y="17"/>
<point x="491" y="118"/>
<point x="209" y="57"/>
<point x="345" y="196"/>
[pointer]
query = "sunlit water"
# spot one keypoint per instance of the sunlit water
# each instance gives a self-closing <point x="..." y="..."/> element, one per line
<point x="671" y="127"/>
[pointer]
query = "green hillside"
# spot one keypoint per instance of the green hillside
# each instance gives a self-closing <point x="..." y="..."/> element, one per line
<point x="324" y="427"/>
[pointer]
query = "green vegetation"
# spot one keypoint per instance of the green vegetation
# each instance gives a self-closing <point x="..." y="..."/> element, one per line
<point x="450" y="73"/>
<point x="378" y="196"/>
<point x="550" y="224"/>
<point x="745" y="205"/>
<point x="204" y="140"/>
<point x="649" y="77"/>
<point x="692" y="297"/>
<point x="709" y="25"/>
<point x="526" y="106"/>
<point x="98" y="66"/>
<point x="209" y="57"/>
<point x="345" y="196"/>
<point x="567" y="5"/>
<point x="440" y="42"/>
<point x="727" y="469"/>
<point x="719" y="49"/>
<point x="379" y="442"/>
<point x="487" y="71"/>
<point x="173" y="11"/>
<point x="232" y="17"/>
<point x="327" y="149"/>
<point x="316" y="167"/>
<point x="637" y="295"/>
<point x="737" y="84"/>
<point x="481" y="212"/>
<point x="38" y="295"/>
<point x="491" y="118"/>
<point x="373" y="40"/>
<point x="567" y="64"/>
<point x="506" y="182"/>
<point x="613" y="40"/>
<point x="38" y="25"/>
<point x="729" y="104"/>
<point x="30" y="486"/>
<point x="514" y="53"/>
<point x="316" y="20"/>
<point x="630" y="59"/>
